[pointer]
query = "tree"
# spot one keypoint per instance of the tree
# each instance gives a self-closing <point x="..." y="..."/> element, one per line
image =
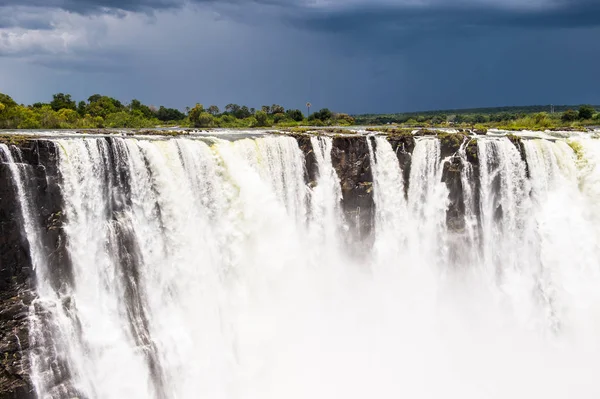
<point x="266" y="109"/>
<point x="2" y="106"/>
<point x="136" y="105"/>
<point x="67" y="115"/>
<point x="7" y="101"/>
<point x="295" y="114"/>
<point x="570" y="115"/>
<point x="61" y="100"/>
<point x="480" y="118"/>
<point x="169" y="114"/>
<point x="261" y="118"/>
<point x="242" y="113"/>
<point x="213" y="110"/>
<point x="322" y="115"/>
<point x="343" y="119"/>
<point x="586" y="112"/>
<point x="101" y="107"/>
<point x="276" y="109"/>
<point x="94" y="98"/>
<point x="81" y="108"/>
<point x="199" y="117"/>
<point x="232" y="108"/>
<point x="540" y="117"/>
<point x="280" y="117"/>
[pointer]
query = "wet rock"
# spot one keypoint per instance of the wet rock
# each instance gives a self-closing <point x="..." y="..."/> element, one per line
<point x="350" y="158"/>
<point x="39" y="172"/>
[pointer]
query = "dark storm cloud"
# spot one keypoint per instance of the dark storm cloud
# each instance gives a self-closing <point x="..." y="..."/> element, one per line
<point x="448" y="16"/>
<point x="350" y="55"/>
<point x="95" y="6"/>
<point x="360" y="15"/>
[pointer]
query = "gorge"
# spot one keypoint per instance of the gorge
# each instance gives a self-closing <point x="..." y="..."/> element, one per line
<point x="279" y="265"/>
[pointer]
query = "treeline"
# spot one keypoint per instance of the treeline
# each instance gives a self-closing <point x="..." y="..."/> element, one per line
<point x="518" y="119"/>
<point x="106" y="112"/>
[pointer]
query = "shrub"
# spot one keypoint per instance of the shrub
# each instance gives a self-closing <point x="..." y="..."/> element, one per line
<point x="586" y="112"/>
<point x="261" y="119"/>
<point x="570" y="115"/>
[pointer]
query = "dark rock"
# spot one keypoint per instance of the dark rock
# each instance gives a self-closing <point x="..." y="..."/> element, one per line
<point x="350" y="158"/>
<point x="403" y="145"/>
<point x="38" y="169"/>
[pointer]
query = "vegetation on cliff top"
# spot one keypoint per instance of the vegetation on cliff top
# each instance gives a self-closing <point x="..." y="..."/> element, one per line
<point x="99" y="111"/>
<point x="106" y="112"/>
<point x="509" y="118"/>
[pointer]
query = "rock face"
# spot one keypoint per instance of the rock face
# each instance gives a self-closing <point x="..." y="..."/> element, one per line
<point x="38" y="169"/>
<point x="15" y="295"/>
<point x="350" y="158"/>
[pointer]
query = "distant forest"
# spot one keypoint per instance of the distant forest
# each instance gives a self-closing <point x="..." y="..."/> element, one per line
<point x="542" y="116"/>
<point x="99" y="111"/>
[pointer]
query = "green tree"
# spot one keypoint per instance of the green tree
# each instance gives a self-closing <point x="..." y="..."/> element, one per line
<point x="82" y="108"/>
<point x="93" y="98"/>
<point x="586" y="112"/>
<point x="48" y="117"/>
<point x="213" y="110"/>
<point x="322" y="115"/>
<point x="343" y="119"/>
<point x="169" y="114"/>
<point x="261" y="118"/>
<point x="206" y="120"/>
<point x="242" y="112"/>
<point x="136" y="105"/>
<point x="295" y="114"/>
<point x="277" y="118"/>
<point x="7" y="101"/>
<point x="68" y="116"/>
<point x="102" y="107"/>
<point x="276" y="109"/>
<point x="570" y="115"/>
<point x="61" y="100"/>
<point x="198" y="116"/>
<point x="232" y="108"/>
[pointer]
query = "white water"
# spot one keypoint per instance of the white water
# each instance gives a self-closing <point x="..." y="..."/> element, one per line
<point x="212" y="270"/>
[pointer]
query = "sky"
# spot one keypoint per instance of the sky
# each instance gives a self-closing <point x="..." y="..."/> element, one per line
<point x="354" y="56"/>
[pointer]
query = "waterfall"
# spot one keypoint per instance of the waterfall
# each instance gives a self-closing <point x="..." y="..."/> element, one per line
<point x="427" y="204"/>
<point x="205" y="267"/>
<point x="392" y="214"/>
<point x="30" y="225"/>
<point x="327" y="195"/>
<point x="504" y="207"/>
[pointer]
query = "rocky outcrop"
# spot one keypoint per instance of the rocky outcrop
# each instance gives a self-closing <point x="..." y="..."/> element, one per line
<point x="350" y="158"/>
<point x="39" y="174"/>
<point x="403" y="145"/>
<point x="15" y="294"/>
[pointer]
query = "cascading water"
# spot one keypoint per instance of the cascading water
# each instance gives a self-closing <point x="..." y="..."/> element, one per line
<point x="213" y="268"/>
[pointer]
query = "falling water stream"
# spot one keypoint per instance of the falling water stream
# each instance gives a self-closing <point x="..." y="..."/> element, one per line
<point x="213" y="269"/>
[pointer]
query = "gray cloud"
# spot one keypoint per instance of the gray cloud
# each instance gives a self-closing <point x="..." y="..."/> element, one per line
<point x="342" y="14"/>
<point x="349" y="55"/>
<point x="448" y="16"/>
<point x="95" y="6"/>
